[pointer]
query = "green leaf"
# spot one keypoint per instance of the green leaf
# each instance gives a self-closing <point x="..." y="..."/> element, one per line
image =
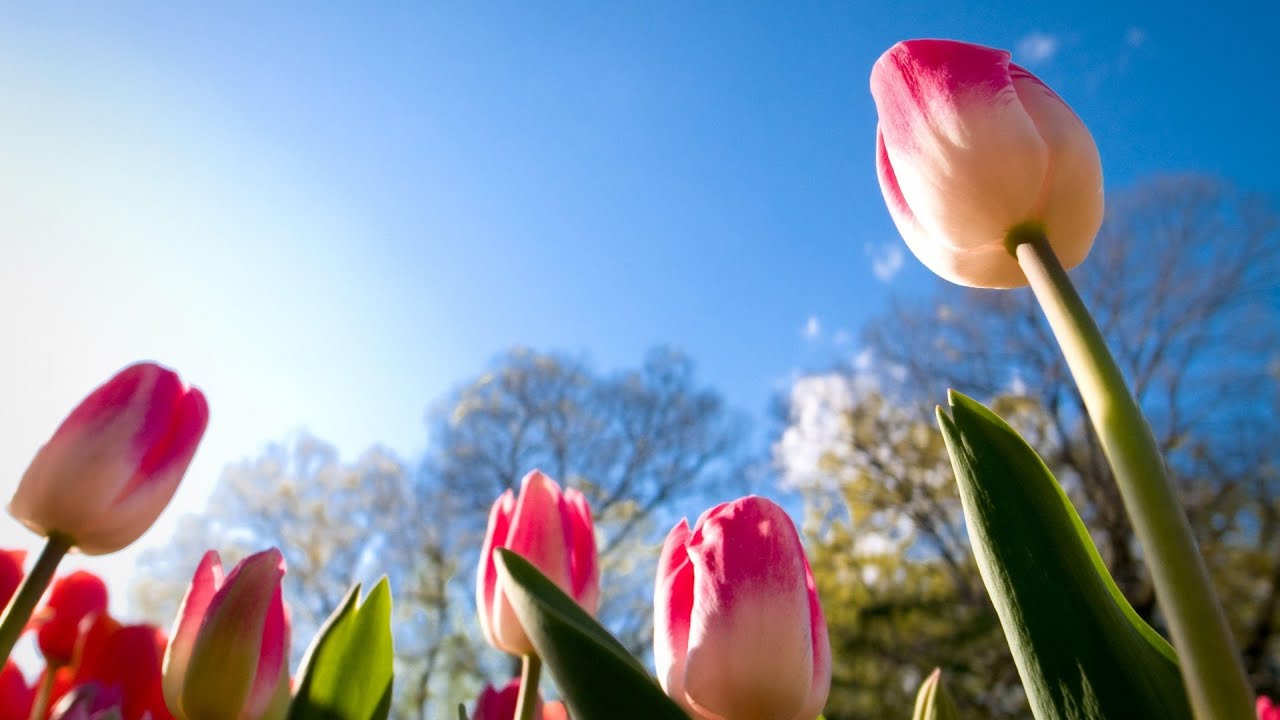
<point x="597" y="677"/>
<point x="933" y="702"/>
<point x="462" y="712"/>
<point x="1081" y="650"/>
<point x="347" y="671"/>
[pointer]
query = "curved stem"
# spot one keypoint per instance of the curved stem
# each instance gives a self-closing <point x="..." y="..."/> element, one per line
<point x="1207" y="654"/>
<point x="29" y="592"/>
<point x="40" y="708"/>
<point x="527" y="702"/>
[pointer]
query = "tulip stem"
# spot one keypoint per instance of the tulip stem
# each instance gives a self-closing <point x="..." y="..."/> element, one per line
<point x="40" y="708"/>
<point x="527" y="701"/>
<point x="15" y="617"/>
<point x="1207" y="654"/>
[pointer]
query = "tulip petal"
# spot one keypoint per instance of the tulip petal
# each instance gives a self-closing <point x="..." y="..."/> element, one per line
<point x="820" y="685"/>
<point x="750" y="642"/>
<point x="580" y="537"/>
<point x="273" y="659"/>
<point x="538" y="529"/>
<point x="672" y="609"/>
<point x="207" y="581"/>
<point x="1071" y="203"/>
<point x="487" y="579"/>
<point x="960" y="143"/>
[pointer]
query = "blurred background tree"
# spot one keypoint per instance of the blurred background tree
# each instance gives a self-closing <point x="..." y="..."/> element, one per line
<point x="645" y="445"/>
<point x="1183" y="282"/>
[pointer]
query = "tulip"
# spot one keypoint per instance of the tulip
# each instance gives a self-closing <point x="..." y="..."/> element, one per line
<point x="126" y="658"/>
<point x="16" y="696"/>
<point x="552" y="530"/>
<point x="501" y="704"/>
<point x="738" y="630"/>
<point x="72" y="598"/>
<point x="114" y="463"/>
<point x="228" y="655"/>
<point x="1267" y="710"/>
<point x="11" y="562"/>
<point x="971" y="146"/>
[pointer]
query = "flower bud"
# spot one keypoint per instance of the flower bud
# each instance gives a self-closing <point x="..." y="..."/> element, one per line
<point x="501" y="704"/>
<point x="738" y="630"/>
<point x="114" y="463"/>
<point x="228" y="656"/>
<point x="1267" y="710"/>
<point x="11" y="574"/>
<point x="72" y="598"/>
<point x="554" y="532"/>
<point x="16" y="696"/>
<point x="970" y="146"/>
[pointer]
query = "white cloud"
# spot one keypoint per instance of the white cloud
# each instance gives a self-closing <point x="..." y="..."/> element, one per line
<point x="812" y="328"/>
<point x="886" y="260"/>
<point x="1134" y="37"/>
<point x="1037" y="47"/>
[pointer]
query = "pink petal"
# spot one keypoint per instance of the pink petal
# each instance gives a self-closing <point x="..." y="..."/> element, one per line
<point x="206" y="582"/>
<point x="580" y="536"/>
<point x="750" y="640"/>
<point x="820" y="685"/>
<point x="487" y="579"/>
<point x="273" y="660"/>
<point x="537" y="529"/>
<point x="672" y="608"/>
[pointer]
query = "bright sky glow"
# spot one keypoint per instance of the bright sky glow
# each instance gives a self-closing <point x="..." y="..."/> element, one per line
<point x="326" y="218"/>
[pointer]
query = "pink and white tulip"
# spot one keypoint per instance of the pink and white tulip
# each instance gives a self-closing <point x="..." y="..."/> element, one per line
<point x="553" y="531"/>
<point x="114" y="463"/>
<point x="738" y="630"/>
<point x="970" y="145"/>
<point x="228" y="656"/>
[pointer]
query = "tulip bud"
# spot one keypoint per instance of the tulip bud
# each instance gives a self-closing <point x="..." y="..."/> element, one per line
<point x="11" y="562"/>
<point x="738" y="630"/>
<point x="228" y="656"/>
<point x="970" y="146"/>
<point x="114" y="463"/>
<point x="1267" y="710"/>
<point x="72" y="598"/>
<point x="501" y="704"/>
<point x="554" y="532"/>
<point x="16" y="696"/>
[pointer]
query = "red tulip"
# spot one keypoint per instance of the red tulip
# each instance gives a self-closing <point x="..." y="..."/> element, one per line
<point x="228" y="654"/>
<point x="969" y="146"/>
<point x="1267" y="710"/>
<point x="501" y="704"/>
<point x="72" y="598"/>
<point x="738" y="630"/>
<point x="552" y="530"/>
<point x="11" y="562"/>
<point x="114" y="463"/>
<point x="126" y="659"/>
<point x="16" y="696"/>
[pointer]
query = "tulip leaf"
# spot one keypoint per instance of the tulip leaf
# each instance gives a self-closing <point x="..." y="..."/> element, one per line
<point x="933" y="702"/>
<point x="347" y="671"/>
<point x="1081" y="650"/>
<point x="597" y="677"/>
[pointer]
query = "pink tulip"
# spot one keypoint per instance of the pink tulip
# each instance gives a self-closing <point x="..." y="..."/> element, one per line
<point x="1267" y="710"/>
<point x="738" y="630"/>
<point x="114" y="463"/>
<point x="969" y="146"/>
<point x="228" y="655"/>
<point x="501" y="704"/>
<point x="550" y="529"/>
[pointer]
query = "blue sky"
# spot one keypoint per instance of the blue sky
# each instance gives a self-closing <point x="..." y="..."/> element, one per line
<point x="327" y="217"/>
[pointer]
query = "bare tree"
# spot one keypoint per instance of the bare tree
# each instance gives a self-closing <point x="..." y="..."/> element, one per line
<point x="1184" y="280"/>
<point x="637" y="443"/>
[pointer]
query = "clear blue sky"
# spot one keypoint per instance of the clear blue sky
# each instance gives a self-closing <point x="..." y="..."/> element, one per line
<point x="328" y="217"/>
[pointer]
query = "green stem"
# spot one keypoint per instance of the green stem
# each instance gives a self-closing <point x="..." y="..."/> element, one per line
<point x="41" y="705"/>
<point x="29" y="592"/>
<point x="1207" y="654"/>
<point x="527" y="702"/>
